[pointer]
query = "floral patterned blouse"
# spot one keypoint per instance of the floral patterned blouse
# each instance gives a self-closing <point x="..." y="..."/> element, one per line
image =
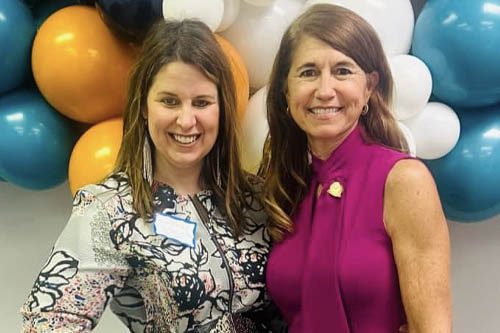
<point x="107" y="254"/>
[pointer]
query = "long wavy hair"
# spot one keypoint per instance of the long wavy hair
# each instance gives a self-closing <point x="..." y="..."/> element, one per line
<point x="285" y="164"/>
<point x="191" y="42"/>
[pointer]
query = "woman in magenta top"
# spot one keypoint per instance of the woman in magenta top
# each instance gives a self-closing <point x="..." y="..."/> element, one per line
<point x="361" y="240"/>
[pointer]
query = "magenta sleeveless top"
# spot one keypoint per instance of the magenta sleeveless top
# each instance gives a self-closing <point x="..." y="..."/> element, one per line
<point x="336" y="271"/>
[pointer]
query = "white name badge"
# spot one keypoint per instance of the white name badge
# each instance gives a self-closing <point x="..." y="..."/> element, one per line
<point x="180" y="230"/>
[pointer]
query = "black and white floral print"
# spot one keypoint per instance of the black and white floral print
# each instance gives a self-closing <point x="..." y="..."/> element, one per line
<point x="107" y="254"/>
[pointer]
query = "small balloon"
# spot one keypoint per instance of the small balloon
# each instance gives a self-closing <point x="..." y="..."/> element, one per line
<point x="35" y="141"/>
<point x="17" y="28"/>
<point x="254" y="131"/>
<point x="209" y="12"/>
<point x="468" y="178"/>
<point x="94" y="155"/>
<point x="256" y="34"/>
<point x="412" y="85"/>
<point x="436" y="130"/>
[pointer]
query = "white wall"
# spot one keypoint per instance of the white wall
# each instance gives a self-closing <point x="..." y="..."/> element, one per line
<point x="31" y="221"/>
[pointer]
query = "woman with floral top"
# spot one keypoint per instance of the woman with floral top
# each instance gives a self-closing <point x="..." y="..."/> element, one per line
<point x="174" y="238"/>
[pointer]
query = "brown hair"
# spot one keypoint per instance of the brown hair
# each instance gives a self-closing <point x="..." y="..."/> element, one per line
<point x="285" y="165"/>
<point x="191" y="42"/>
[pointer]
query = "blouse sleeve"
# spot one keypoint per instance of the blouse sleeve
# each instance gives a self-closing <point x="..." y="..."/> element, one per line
<point x="84" y="270"/>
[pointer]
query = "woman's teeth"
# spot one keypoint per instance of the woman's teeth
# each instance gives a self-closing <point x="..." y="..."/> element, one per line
<point x="324" y="110"/>
<point x="185" y="139"/>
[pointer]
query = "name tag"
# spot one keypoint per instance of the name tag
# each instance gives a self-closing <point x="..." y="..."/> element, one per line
<point x="180" y="230"/>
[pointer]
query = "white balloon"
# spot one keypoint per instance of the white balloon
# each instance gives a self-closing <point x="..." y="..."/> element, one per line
<point x="412" y="147"/>
<point x="436" y="130"/>
<point x="231" y="11"/>
<point x="254" y="131"/>
<point x="209" y="12"/>
<point x="260" y="2"/>
<point x="393" y="20"/>
<point x="257" y="33"/>
<point x="412" y="85"/>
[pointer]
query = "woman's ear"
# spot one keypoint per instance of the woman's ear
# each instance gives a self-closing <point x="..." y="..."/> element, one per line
<point x="372" y="81"/>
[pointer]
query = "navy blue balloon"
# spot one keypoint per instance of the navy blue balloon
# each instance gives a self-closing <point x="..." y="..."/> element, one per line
<point x="35" y="141"/>
<point x="17" y="29"/>
<point x="468" y="178"/>
<point x="46" y="8"/>
<point x="460" y="43"/>
<point x="130" y="19"/>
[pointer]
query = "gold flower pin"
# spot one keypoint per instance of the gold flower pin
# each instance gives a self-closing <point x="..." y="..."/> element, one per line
<point x="336" y="189"/>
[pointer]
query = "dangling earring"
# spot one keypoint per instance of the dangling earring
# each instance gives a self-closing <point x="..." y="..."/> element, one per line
<point x="219" y="182"/>
<point x="288" y="110"/>
<point x="365" y="109"/>
<point x="147" y="162"/>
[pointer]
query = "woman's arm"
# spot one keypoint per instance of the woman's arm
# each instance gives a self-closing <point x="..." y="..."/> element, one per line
<point x="416" y="224"/>
<point x="83" y="271"/>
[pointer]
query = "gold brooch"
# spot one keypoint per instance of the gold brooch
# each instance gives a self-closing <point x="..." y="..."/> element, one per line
<point x="336" y="189"/>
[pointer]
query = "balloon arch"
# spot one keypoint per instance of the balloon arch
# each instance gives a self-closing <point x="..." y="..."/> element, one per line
<point x="65" y="64"/>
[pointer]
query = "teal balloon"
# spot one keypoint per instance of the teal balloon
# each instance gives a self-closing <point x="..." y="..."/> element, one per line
<point x="35" y="141"/>
<point x="17" y="29"/>
<point x="46" y="8"/>
<point x="459" y="40"/>
<point x="468" y="178"/>
<point x="2" y="180"/>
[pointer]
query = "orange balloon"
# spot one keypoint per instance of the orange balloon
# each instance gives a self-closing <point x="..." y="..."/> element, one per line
<point x="240" y="74"/>
<point x="80" y="67"/>
<point x="94" y="155"/>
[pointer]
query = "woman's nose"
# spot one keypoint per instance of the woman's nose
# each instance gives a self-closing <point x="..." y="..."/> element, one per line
<point x="186" y="118"/>
<point x="326" y="87"/>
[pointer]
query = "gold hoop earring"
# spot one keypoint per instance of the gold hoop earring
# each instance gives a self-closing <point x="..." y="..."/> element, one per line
<point x="365" y="109"/>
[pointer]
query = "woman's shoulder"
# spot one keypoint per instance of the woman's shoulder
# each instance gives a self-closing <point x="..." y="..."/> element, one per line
<point x="114" y="185"/>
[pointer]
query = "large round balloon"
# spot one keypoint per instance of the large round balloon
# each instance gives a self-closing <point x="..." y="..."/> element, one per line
<point x="393" y="20"/>
<point x="254" y="131"/>
<point x="17" y="29"/>
<point x="459" y="41"/>
<point x="80" y="66"/>
<point x="130" y="18"/>
<point x="209" y="12"/>
<point x="257" y="33"/>
<point x="412" y="85"/>
<point x="240" y="74"/>
<point x="95" y="153"/>
<point x="468" y="178"/>
<point x="35" y="141"/>
<point x="435" y="129"/>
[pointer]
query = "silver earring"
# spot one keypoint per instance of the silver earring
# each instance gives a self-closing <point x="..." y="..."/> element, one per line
<point x="147" y="161"/>
<point x="219" y="182"/>
<point x="365" y="109"/>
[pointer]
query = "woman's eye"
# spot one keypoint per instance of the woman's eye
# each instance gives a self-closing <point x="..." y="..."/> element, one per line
<point x="170" y="101"/>
<point x="343" y="71"/>
<point x="200" y="103"/>
<point x="308" y="73"/>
